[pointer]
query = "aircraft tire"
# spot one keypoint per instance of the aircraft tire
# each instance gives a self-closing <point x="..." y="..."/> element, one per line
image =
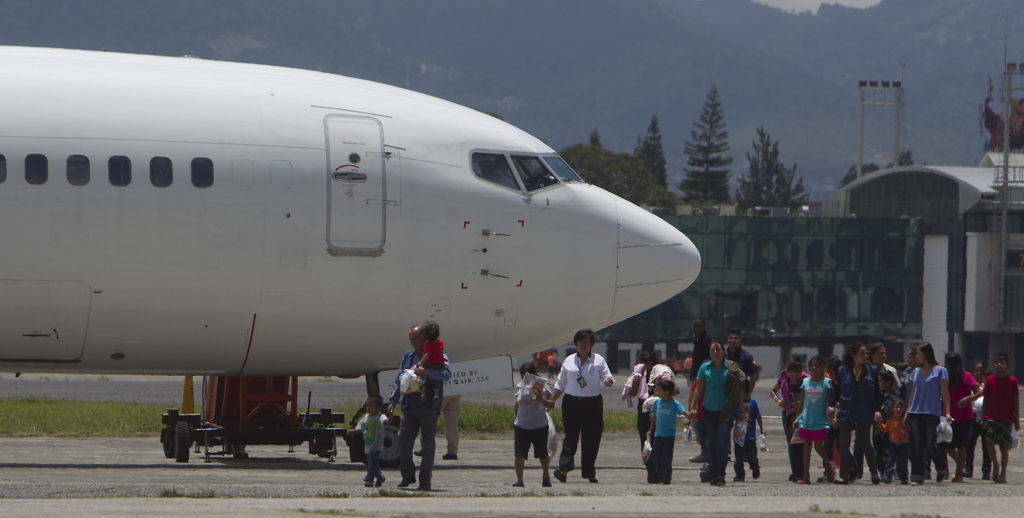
<point x="182" y="441"/>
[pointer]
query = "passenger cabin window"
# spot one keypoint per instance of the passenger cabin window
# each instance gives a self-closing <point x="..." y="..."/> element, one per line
<point x="533" y="172"/>
<point x="160" y="172"/>
<point x="494" y="168"/>
<point x="119" y="170"/>
<point x="36" y="169"/>
<point x="3" y="169"/>
<point x="202" y="172"/>
<point x="78" y="170"/>
<point x="562" y="169"/>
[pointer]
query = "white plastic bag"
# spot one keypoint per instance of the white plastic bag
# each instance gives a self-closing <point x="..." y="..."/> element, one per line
<point x="552" y="437"/>
<point x="649" y="404"/>
<point x="645" y="453"/>
<point x="762" y="444"/>
<point x="944" y="431"/>
<point x="1014" y="439"/>
<point x="409" y="382"/>
<point x="739" y="433"/>
<point x="688" y="433"/>
<point x="978" y="406"/>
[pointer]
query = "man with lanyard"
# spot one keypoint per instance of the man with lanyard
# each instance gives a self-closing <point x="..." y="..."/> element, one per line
<point x="701" y="353"/>
<point x="734" y="351"/>
<point x="582" y="375"/>
<point x="418" y="415"/>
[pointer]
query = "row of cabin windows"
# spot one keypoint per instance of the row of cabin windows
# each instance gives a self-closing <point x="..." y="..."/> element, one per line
<point x="119" y="170"/>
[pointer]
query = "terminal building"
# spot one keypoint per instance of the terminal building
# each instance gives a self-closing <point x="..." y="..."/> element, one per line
<point x="908" y="254"/>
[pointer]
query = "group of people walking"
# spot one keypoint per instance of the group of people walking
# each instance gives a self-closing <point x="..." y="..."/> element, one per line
<point x="851" y="411"/>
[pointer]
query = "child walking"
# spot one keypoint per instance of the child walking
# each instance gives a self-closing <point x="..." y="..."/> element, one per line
<point x="433" y="361"/>
<point x="531" y="422"/>
<point x="812" y="407"/>
<point x="898" y="432"/>
<point x="372" y="426"/>
<point x="748" y="450"/>
<point x="1000" y="412"/>
<point x="663" y="428"/>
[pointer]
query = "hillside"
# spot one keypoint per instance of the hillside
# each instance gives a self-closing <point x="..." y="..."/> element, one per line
<point x="559" y="69"/>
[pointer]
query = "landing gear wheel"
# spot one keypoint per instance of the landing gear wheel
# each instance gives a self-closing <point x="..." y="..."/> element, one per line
<point x="182" y="441"/>
<point x="389" y="452"/>
<point x="167" y="441"/>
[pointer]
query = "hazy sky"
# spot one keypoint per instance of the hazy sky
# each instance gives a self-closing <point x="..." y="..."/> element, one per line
<point x="812" y="5"/>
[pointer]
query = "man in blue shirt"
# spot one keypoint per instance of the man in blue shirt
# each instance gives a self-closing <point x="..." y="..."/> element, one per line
<point x="418" y="415"/>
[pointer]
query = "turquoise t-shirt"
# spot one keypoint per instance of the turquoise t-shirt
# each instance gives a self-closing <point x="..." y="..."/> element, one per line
<point x="666" y="413"/>
<point x="715" y="385"/>
<point x="814" y="415"/>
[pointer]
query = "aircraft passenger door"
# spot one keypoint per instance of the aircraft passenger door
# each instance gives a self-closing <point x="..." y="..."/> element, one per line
<point x="357" y="187"/>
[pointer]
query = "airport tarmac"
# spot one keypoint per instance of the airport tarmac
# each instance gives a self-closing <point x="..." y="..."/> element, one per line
<point x="130" y="477"/>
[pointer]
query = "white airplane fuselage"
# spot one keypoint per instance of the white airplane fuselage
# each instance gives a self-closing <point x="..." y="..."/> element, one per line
<point x="340" y="212"/>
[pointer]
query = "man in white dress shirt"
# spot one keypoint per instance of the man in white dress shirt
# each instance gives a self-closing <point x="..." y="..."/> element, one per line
<point x="583" y="373"/>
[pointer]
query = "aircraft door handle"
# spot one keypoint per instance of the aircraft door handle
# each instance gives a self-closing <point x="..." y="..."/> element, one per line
<point x="349" y="177"/>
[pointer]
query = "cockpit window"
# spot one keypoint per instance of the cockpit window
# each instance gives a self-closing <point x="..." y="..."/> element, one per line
<point x="562" y="169"/>
<point x="494" y="168"/>
<point x="533" y="172"/>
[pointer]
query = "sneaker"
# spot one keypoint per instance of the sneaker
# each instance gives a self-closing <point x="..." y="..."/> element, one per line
<point x="380" y="482"/>
<point x="718" y="482"/>
<point x="592" y="480"/>
<point x="406" y="482"/>
<point x="559" y="475"/>
<point x="368" y="483"/>
<point x="517" y="484"/>
<point x="449" y="456"/>
<point x="904" y="482"/>
<point x="756" y="473"/>
<point x="739" y="478"/>
<point x="697" y="459"/>
<point x="940" y="476"/>
<point x="887" y="479"/>
<point x="545" y="483"/>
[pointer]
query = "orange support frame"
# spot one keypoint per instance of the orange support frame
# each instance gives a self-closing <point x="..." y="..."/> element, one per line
<point x="241" y="401"/>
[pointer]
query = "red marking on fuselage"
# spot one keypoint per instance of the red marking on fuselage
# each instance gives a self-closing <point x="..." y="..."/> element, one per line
<point x="465" y="224"/>
<point x="248" y="348"/>
<point x="346" y="165"/>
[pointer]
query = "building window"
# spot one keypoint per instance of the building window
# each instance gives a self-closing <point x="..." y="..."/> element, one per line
<point x="36" y="169"/>
<point x="202" y="172"/>
<point x="3" y="169"/>
<point x="161" y="173"/>
<point x="78" y="170"/>
<point x="119" y="169"/>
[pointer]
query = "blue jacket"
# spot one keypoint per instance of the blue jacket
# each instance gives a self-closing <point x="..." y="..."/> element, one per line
<point x="857" y="400"/>
<point x="409" y="360"/>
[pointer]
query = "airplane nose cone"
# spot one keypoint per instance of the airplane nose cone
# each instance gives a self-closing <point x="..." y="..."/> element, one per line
<point x="655" y="261"/>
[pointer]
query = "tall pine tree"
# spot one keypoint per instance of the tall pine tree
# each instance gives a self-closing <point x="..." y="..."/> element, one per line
<point x="707" y="174"/>
<point x="769" y="182"/>
<point x="649" y="150"/>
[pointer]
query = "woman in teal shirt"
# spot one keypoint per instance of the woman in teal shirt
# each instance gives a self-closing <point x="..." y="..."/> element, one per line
<point x="713" y="388"/>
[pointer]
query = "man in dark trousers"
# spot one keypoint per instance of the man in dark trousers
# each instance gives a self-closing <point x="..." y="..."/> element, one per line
<point x="701" y="353"/>
<point x="418" y="415"/>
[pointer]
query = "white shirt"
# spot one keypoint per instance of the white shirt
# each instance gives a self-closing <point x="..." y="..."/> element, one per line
<point x="594" y="371"/>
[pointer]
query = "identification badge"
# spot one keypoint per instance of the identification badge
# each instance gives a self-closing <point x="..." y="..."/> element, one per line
<point x="581" y="382"/>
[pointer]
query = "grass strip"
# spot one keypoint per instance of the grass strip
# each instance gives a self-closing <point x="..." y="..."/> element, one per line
<point x="27" y="416"/>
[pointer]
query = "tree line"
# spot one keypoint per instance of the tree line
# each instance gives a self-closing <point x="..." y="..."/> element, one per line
<point x="642" y="176"/>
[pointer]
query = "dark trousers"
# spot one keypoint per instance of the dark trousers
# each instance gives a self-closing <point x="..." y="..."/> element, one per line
<point x="986" y="463"/>
<point x="716" y="437"/>
<point x="880" y="442"/>
<point x="796" y="451"/>
<point x="662" y="449"/>
<point x="863" y="441"/>
<point x="417" y="420"/>
<point x="897" y="461"/>
<point x="923" y="448"/>
<point x="746" y="452"/>
<point x="643" y="424"/>
<point x="583" y="419"/>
